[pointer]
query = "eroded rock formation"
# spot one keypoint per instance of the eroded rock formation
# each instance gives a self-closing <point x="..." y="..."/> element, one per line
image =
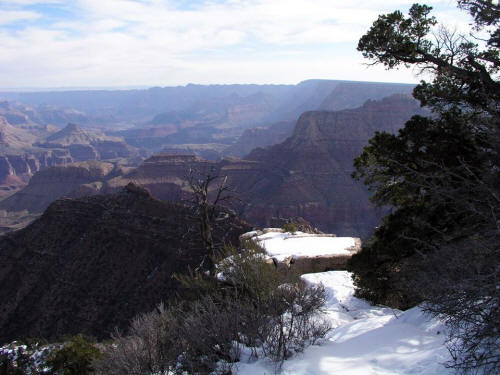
<point x="84" y="145"/>
<point x="22" y="153"/>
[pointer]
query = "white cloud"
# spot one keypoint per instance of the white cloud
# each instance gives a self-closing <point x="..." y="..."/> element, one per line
<point x="30" y="2"/>
<point x="11" y="16"/>
<point x="125" y="42"/>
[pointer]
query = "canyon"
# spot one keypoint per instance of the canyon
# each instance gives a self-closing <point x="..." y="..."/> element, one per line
<point x="93" y="233"/>
<point x="307" y="175"/>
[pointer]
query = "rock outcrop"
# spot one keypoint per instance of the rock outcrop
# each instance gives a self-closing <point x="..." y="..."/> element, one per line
<point x="322" y="263"/>
<point x="84" y="145"/>
<point x="260" y="137"/>
<point x="303" y="253"/>
<point x="91" y="264"/>
<point x="19" y="160"/>
<point x="22" y="154"/>
<point x="209" y="151"/>
<point x="67" y="180"/>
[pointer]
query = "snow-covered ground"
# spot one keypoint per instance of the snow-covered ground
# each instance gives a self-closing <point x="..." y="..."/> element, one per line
<point x="281" y="245"/>
<point x="366" y="339"/>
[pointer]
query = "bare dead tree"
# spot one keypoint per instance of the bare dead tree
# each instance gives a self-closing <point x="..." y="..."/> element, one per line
<point x="209" y="189"/>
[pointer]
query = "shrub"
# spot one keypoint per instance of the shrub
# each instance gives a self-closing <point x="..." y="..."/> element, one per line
<point x="148" y="348"/>
<point x="208" y="334"/>
<point x="249" y="303"/>
<point x="73" y="357"/>
<point x="293" y="320"/>
<point x="281" y="314"/>
<point x="290" y="227"/>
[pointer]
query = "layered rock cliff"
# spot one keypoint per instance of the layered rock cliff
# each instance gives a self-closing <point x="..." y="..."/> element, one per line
<point x="308" y="175"/>
<point x="260" y="137"/>
<point x="22" y="153"/>
<point x="19" y="160"/>
<point x="12" y="138"/>
<point x="313" y="167"/>
<point x="91" y="264"/>
<point x="19" y="114"/>
<point x="64" y="180"/>
<point x="84" y="145"/>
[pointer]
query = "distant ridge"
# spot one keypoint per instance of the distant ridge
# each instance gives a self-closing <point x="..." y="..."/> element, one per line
<point x="128" y="102"/>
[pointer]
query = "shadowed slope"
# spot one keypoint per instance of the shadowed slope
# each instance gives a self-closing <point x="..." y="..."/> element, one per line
<point x="90" y="264"/>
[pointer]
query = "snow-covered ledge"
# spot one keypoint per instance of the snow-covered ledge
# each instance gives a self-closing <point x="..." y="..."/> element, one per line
<point x="305" y="252"/>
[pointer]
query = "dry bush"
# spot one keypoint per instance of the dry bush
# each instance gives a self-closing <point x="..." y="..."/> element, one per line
<point x="208" y="336"/>
<point x="281" y="314"/>
<point x="249" y="304"/>
<point x="149" y="347"/>
<point x="294" y="314"/>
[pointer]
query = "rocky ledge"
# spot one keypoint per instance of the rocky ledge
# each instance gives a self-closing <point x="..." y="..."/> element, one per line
<point x="305" y="252"/>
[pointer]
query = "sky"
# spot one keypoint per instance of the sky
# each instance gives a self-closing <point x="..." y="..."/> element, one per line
<point x="126" y="43"/>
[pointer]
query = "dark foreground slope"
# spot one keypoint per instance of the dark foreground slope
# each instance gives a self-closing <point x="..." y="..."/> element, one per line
<point x="90" y="264"/>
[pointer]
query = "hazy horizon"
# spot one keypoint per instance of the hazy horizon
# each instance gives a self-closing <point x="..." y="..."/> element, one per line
<point x="147" y="87"/>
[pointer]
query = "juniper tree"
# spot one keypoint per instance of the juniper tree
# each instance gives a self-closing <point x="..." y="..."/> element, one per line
<point x="441" y="176"/>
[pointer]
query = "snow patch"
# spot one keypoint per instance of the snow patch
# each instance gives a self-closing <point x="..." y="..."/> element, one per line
<point x="367" y="339"/>
<point x="281" y="245"/>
